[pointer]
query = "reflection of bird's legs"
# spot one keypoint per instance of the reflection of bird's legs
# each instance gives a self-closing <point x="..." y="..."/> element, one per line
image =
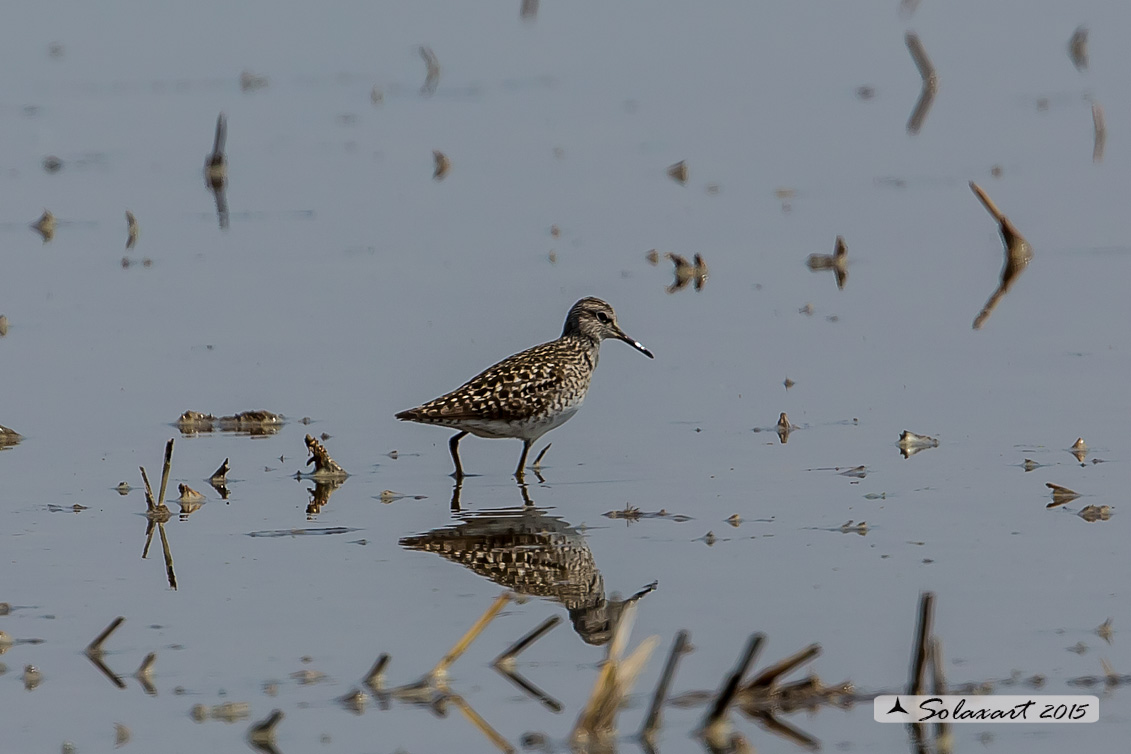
<point x="453" y="446"/>
<point x="520" y="473"/>
<point x="525" y="494"/>
<point x="456" y="490"/>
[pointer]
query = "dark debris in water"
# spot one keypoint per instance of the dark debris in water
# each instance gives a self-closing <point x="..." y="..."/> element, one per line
<point x="246" y="422"/>
<point x="632" y="513"/>
<point x="325" y="467"/>
<point x="311" y="532"/>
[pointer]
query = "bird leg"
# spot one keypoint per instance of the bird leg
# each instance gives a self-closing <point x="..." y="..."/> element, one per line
<point x="538" y="461"/>
<point x="520" y="472"/>
<point x="453" y="446"/>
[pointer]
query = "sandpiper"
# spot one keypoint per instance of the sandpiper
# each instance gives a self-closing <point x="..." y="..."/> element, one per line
<point x="532" y="392"/>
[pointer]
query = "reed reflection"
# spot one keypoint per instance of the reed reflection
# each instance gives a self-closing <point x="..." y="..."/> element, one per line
<point x="216" y="171"/>
<point x="1018" y="254"/>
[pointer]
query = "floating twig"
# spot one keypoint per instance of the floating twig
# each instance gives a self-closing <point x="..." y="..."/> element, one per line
<point x="922" y="62"/>
<point x="45" y="226"/>
<point x="1018" y="254"/>
<point x="1060" y="495"/>
<point x="1099" y="131"/>
<point x="375" y="678"/>
<point x="263" y="732"/>
<point x="132" y="229"/>
<point x="837" y="262"/>
<point x="930" y="82"/>
<point x="216" y="171"/>
<point x="1079" y="449"/>
<point x="505" y="664"/>
<point x="93" y="652"/>
<point x="220" y="476"/>
<point x="784" y="428"/>
<point x="144" y="674"/>
<point x="679" y="172"/>
<point x="95" y="647"/>
<point x="911" y="443"/>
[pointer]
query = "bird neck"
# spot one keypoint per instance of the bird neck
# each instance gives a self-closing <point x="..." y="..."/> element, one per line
<point x="585" y="343"/>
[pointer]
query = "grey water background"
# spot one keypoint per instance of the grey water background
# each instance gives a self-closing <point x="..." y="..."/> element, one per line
<point x="351" y="285"/>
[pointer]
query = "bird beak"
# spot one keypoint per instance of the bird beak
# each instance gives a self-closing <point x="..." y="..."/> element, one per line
<point x="635" y="344"/>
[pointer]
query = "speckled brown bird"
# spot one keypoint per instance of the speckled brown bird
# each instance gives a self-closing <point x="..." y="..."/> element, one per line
<point x="525" y="396"/>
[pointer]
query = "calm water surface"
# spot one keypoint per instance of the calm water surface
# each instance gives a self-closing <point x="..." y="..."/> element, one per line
<point x="351" y="285"/>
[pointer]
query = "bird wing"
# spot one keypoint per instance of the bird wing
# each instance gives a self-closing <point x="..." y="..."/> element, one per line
<point x="512" y="389"/>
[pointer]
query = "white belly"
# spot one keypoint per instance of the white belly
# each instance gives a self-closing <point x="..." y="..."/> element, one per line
<point x="527" y="429"/>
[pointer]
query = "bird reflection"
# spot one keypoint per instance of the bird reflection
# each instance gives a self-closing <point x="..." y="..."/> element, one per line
<point x="216" y="171"/>
<point x="533" y="553"/>
<point x="1018" y="254"/>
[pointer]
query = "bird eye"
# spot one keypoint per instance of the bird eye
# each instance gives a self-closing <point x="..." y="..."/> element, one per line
<point x="603" y="318"/>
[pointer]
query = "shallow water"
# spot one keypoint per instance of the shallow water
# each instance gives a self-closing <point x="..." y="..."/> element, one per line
<point x="351" y="285"/>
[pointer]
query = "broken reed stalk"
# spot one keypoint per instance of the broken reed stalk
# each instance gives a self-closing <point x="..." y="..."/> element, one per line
<point x="922" y="62"/>
<point x="263" y="732"/>
<point x="484" y="727"/>
<point x="596" y="725"/>
<point x="727" y="693"/>
<point x="150" y="504"/>
<point x="506" y="659"/>
<point x="221" y="474"/>
<point x="652" y="721"/>
<point x="770" y="675"/>
<point x="921" y="653"/>
<point x="168" y="556"/>
<point x="1100" y="133"/>
<point x="988" y="203"/>
<point x="95" y="647"/>
<point x="146" y="668"/>
<point x="472" y="634"/>
<point x="165" y="472"/>
<point x="144" y="674"/>
<point x="375" y="678"/>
